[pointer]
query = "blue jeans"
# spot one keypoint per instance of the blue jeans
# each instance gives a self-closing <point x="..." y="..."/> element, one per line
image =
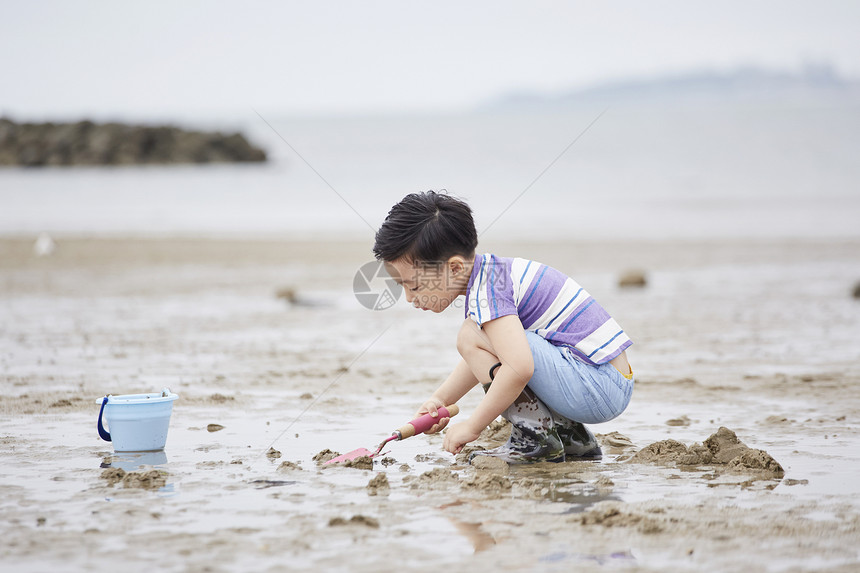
<point x="574" y="389"/>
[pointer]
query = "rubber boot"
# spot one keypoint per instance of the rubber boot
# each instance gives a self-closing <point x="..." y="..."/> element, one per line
<point x="578" y="441"/>
<point x="534" y="437"/>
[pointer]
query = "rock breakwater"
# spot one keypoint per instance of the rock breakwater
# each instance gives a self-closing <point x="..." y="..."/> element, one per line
<point x="88" y="143"/>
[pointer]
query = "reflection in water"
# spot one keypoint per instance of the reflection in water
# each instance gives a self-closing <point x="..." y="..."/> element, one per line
<point x="578" y="495"/>
<point x="267" y="483"/>
<point x="479" y="538"/>
<point x="618" y="556"/>
<point x="131" y="461"/>
<point x="580" y="499"/>
<point x="574" y="491"/>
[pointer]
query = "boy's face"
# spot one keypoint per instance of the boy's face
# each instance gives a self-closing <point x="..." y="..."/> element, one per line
<point x="430" y="286"/>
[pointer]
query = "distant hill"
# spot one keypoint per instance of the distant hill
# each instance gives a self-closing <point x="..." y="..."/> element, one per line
<point x="742" y="83"/>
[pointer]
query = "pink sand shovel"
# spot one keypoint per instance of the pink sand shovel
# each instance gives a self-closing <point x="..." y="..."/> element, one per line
<point x="417" y="426"/>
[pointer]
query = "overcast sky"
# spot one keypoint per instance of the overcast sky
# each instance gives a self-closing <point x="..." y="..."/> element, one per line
<point x="179" y="59"/>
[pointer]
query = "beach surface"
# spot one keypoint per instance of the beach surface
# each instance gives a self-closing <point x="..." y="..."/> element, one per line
<point x="274" y="361"/>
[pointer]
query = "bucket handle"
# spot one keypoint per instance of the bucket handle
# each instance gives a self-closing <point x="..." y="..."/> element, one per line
<point x="103" y="434"/>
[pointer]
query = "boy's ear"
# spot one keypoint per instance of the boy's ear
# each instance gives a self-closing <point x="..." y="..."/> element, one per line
<point x="456" y="264"/>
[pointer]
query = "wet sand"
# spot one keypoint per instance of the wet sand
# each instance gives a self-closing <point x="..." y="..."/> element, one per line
<point x="757" y="337"/>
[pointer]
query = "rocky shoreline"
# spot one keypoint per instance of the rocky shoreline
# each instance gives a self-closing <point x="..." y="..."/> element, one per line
<point x="89" y="143"/>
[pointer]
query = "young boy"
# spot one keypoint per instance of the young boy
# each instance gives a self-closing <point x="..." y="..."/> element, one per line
<point x="548" y="356"/>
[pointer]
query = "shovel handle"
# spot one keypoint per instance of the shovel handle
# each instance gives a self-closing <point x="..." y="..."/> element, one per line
<point x="423" y="423"/>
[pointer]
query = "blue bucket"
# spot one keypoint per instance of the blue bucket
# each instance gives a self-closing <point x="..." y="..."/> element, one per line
<point x="137" y="422"/>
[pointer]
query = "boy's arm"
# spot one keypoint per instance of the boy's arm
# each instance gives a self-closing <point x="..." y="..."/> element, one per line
<point x="460" y="381"/>
<point x="511" y="346"/>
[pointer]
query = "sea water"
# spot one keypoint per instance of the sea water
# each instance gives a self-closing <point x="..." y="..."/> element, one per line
<point x="755" y="169"/>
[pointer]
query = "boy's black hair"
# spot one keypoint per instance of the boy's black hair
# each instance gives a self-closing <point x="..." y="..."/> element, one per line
<point x="427" y="227"/>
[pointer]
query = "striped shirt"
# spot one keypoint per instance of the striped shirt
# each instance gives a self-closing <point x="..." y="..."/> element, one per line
<point x="547" y="302"/>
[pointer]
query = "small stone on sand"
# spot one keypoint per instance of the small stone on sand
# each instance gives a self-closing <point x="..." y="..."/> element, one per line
<point x="287" y="293"/>
<point x="214" y="428"/>
<point x="632" y="278"/>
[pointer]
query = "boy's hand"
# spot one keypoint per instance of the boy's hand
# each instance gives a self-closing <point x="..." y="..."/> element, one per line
<point x="458" y="436"/>
<point x="431" y="406"/>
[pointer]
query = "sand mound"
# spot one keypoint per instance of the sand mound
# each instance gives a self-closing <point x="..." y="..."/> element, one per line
<point x="490" y="464"/>
<point x="438" y="475"/>
<point x="325" y="455"/>
<point x="759" y="460"/>
<point x="359" y="463"/>
<point x="289" y="467"/>
<point x="614" y="442"/>
<point x="490" y="483"/>
<point x="721" y="448"/>
<point x="354" y="520"/>
<point x="378" y="485"/>
<point x="497" y="432"/>
<point x="614" y="516"/>
<point x="662" y="452"/>
<point x="437" y="478"/>
<point x="725" y="446"/>
<point x="150" y="479"/>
